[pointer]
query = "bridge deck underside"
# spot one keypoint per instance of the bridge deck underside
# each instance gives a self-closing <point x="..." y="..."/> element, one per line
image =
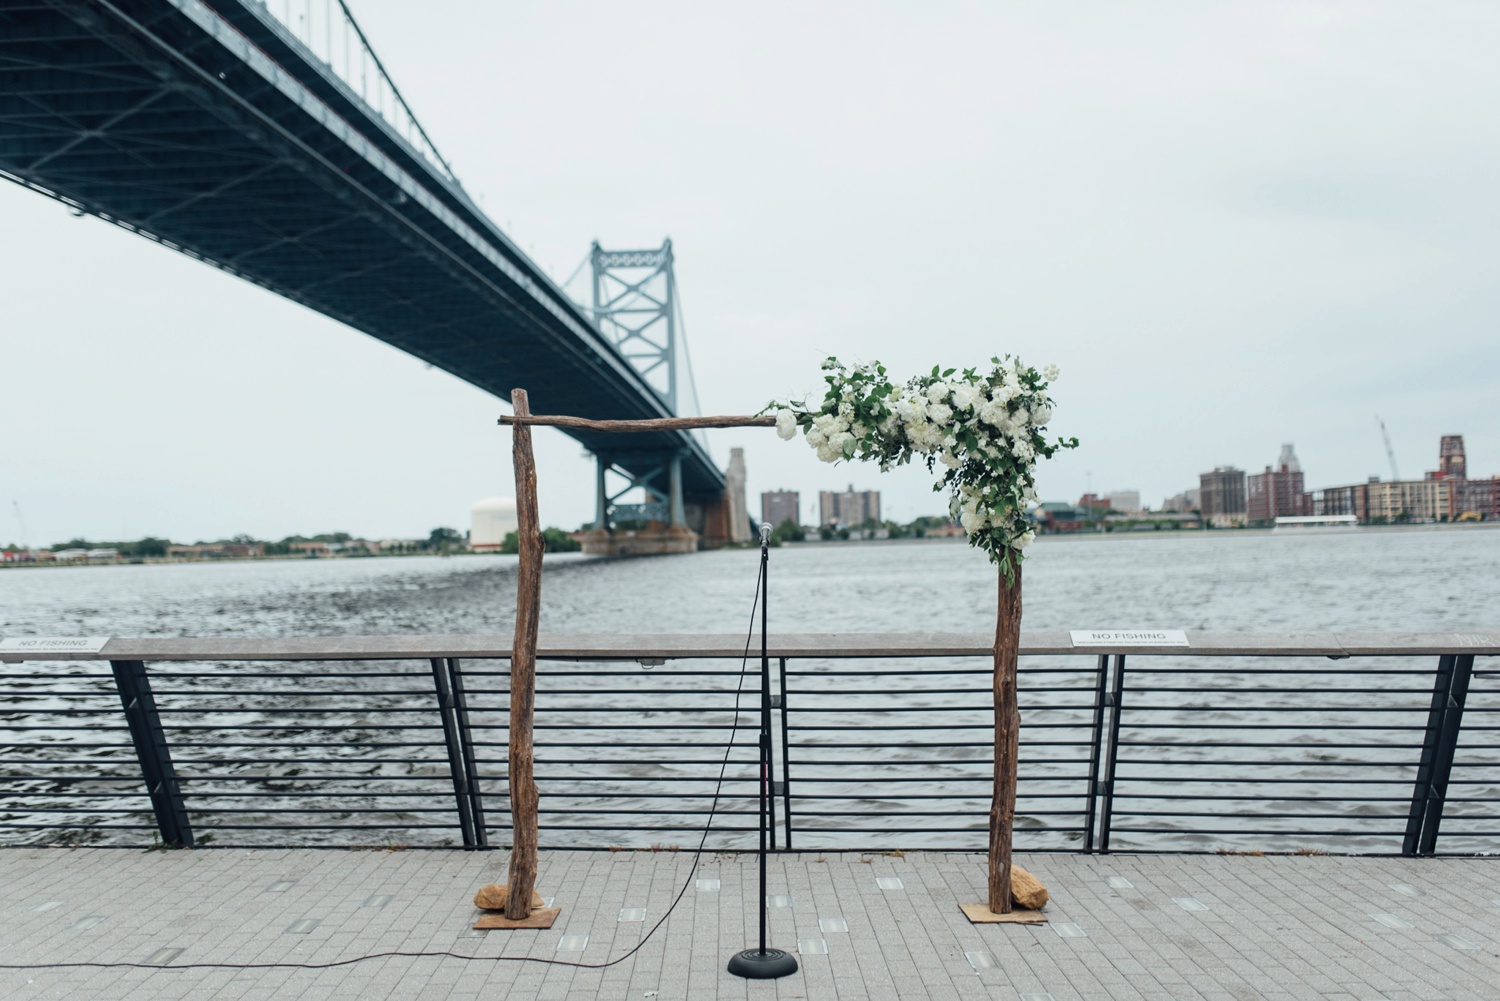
<point x="134" y="112"/>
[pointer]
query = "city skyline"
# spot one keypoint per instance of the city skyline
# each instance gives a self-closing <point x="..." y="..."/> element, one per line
<point x="1220" y="253"/>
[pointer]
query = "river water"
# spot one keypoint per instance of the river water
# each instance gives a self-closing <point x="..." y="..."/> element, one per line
<point x="918" y="780"/>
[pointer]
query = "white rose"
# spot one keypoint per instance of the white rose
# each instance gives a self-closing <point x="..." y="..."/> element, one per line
<point x="940" y="413"/>
<point x="963" y="396"/>
<point x="1042" y="414"/>
<point x="938" y="392"/>
<point x="786" y="424"/>
<point x="950" y="460"/>
<point x="816" y="437"/>
<point x="1050" y="373"/>
<point x="1024" y="539"/>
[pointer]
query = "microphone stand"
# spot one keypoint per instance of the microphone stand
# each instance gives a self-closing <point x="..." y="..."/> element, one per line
<point x="764" y="963"/>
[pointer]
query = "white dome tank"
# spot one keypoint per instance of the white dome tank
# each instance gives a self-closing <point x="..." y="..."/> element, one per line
<point x="494" y="519"/>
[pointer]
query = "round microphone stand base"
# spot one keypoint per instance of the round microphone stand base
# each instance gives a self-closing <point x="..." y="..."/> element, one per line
<point x="752" y="964"/>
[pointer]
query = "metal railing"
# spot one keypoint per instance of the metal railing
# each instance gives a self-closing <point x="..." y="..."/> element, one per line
<point x="1370" y="743"/>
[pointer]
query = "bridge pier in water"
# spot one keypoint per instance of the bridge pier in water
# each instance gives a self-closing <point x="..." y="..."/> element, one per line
<point x="668" y="521"/>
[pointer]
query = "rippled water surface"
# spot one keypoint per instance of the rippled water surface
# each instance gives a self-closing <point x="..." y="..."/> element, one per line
<point x="1371" y="579"/>
<point x="1432" y="579"/>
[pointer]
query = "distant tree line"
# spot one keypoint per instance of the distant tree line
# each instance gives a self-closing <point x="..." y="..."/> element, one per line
<point x="439" y="540"/>
<point x="554" y="540"/>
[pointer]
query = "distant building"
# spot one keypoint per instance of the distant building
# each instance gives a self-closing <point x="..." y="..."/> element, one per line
<point x="1473" y="500"/>
<point x="491" y="520"/>
<point x="1185" y="501"/>
<point x="1092" y="502"/>
<point x="1124" y="500"/>
<point x="1444" y="494"/>
<point x="1057" y="517"/>
<point x="736" y="509"/>
<point x="1222" y="495"/>
<point x="848" y="509"/>
<point x="1451" y="464"/>
<point x="217" y="550"/>
<point x="1408" y="500"/>
<point x="310" y="548"/>
<point x="779" y="506"/>
<point x="1277" y="493"/>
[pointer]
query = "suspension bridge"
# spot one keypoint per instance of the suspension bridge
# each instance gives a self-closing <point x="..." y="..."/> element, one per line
<point x="267" y="140"/>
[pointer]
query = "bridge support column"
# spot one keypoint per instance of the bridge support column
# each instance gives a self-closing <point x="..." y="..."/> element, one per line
<point x="679" y="518"/>
<point x="601" y="497"/>
<point x="656" y="527"/>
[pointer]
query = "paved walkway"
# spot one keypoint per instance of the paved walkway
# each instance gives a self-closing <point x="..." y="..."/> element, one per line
<point x="1227" y="928"/>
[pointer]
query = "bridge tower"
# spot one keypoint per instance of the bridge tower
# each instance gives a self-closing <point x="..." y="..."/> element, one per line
<point x="634" y="296"/>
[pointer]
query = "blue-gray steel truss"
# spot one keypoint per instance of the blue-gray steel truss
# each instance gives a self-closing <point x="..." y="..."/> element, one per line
<point x="215" y="132"/>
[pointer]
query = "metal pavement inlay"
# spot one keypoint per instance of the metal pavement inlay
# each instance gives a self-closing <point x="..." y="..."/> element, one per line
<point x="1069" y="929"/>
<point x="812" y="946"/>
<point x="826" y="925"/>
<point x="1190" y="903"/>
<point x="1456" y="941"/>
<point x="301" y="927"/>
<point x="888" y="882"/>
<point x="1391" y="921"/>
<point x="1120" y="883"/>
<point x="981" y="959"/>
<point x="573" y="943"/>
<point x="632" y="914"/>
<point x="162" y="956"/>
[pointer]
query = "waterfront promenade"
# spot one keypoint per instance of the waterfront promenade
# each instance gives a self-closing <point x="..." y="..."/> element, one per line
<point x="1213" y="927"/>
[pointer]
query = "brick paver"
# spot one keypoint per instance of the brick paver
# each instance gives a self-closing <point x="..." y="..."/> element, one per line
<point x="1146" y="928"/>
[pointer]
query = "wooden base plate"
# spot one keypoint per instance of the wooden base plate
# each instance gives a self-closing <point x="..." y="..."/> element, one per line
<point x="540" y="917"/>
<point x="980" y="914"/>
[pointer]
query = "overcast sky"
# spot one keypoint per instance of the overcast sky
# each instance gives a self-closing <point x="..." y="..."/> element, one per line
<point x="1232" y="225"/>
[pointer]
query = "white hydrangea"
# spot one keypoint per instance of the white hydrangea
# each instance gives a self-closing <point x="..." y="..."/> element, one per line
<point x="786" y="424"/>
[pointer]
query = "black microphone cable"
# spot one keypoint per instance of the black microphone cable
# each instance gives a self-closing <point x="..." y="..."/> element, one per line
<point x="398" y="954"/>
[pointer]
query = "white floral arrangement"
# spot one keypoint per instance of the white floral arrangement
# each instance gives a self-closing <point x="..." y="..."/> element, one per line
<point x="986" y="430"/>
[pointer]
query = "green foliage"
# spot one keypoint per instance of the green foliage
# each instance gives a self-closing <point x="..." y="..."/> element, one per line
<point x="554" y="540"/>
<point x="440" y="539"/>
<point x="788" y="531"/>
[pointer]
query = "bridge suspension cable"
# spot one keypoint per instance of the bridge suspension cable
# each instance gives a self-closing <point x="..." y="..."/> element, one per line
<point x="385" y="99"/>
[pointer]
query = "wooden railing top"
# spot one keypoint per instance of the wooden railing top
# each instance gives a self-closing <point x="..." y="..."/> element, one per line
<point x="630" y="646"/>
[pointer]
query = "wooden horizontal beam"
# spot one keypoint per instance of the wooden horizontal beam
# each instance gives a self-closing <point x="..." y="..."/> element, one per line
<point x="654" y="424"/>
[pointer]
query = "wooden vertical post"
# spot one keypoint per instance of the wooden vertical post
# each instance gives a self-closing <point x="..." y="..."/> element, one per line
<point x="523" y="795"/>
<point x="1007" y="738"/>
